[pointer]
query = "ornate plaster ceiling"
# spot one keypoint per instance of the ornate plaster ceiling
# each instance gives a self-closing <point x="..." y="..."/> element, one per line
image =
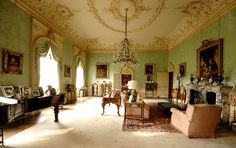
<point x="153" y="25"/>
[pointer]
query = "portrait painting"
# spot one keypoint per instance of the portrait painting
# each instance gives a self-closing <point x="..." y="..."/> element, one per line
<point x="125" y="78"/>
<point x="182" y="69"/>
<point x="12" y="62"/>
<point x="209" y="59"/>
<point x="149" y="69"/>
<point x="67" y="70"/>
<point x="101" y="70"/>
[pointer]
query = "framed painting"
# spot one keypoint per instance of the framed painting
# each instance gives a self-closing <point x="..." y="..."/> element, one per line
<point x="7" y="91"/>
<point x="101" y="70"/>
<point x="125" y="78"/>
<point x="182" y="69"/>
<point x="210" y="59"/>
<point x="149" y="69"/>
<point x="12" y="62"/>
<point x="67" y="70"/>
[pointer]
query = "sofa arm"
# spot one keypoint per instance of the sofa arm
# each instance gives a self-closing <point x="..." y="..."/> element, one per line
<point x="179" y="113"/>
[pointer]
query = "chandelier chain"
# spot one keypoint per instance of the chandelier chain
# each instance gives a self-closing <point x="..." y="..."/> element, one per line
<point x="125" y="56"/>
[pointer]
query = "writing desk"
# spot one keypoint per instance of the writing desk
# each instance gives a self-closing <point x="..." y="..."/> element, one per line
<point x="115" y="100"/>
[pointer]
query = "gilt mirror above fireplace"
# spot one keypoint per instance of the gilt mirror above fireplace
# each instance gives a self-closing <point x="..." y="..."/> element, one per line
<point x="210" y="59"/>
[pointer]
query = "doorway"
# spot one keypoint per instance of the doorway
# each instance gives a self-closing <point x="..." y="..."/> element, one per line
<point x="171" y="74"/>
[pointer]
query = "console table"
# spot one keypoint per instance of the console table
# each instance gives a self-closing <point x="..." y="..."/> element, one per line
<point x="115" y="100"/>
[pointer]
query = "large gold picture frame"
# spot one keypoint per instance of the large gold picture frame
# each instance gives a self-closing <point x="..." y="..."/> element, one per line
<point x="210" y="59"/>
<point x="101" y="70"/>
<point x="12" y="62"/>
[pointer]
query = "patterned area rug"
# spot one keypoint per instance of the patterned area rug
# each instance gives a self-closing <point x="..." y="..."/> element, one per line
<point x="160" y="123"/>
<point x="160" y="126"/>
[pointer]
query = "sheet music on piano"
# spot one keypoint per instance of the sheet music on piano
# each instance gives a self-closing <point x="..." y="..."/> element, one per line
<point x="8" y="101"/>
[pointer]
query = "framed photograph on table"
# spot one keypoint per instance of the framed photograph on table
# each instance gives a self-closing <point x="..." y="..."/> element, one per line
<point x="149" y="69"/>
<point x="7" y="91"/>
<point x="35" y="92"/>
<point x="12" y="62"/>
<point x="101" y="70"/>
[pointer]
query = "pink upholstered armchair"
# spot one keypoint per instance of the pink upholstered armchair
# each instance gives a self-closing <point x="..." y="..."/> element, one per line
<point x="199" y="120"/>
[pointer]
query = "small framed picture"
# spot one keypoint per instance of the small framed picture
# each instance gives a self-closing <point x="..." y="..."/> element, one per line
<point x="101" y="70"/>
<point x="182" y="69"/>
<point x="35" y="92"/>
<point x="149" y="69"/>
<point x="67" y="71"/>
<point x="12" y="62"/>
<point x="41" y="91"/>
<point x="26" y="91"/>
<point x="7" y="91"/>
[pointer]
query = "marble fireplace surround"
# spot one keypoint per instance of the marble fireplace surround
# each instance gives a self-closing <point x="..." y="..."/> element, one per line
<point x="222" y="97"/>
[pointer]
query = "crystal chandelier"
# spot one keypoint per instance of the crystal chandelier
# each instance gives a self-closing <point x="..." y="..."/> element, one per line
<point x="125" y="56"/>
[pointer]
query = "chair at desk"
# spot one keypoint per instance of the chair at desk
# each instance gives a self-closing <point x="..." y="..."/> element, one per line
<point x="1" y="135"/>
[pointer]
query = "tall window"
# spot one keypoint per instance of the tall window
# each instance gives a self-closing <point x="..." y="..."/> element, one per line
<point x="48" y="71"/>
<point x="79" y="76"/>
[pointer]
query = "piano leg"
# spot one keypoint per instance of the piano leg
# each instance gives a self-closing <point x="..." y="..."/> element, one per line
<point x="56" y="111"/>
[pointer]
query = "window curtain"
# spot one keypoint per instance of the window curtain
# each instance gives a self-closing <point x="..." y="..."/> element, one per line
<point x="57" y="56"/>
<point x="42" y="48"/>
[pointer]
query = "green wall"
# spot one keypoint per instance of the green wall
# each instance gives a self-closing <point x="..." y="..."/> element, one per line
<point x="68" y="58"/>
<point x="15" y="32"/>
<point x="159" y="59"/>
<point x="15" y="36"/>
<point x="224" y="27"/>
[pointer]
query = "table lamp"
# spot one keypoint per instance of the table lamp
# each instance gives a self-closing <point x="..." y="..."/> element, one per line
<point x="133" y="86"/>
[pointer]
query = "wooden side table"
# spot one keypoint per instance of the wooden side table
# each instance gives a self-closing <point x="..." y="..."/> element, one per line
<point x="134" y="111"/>
<point x="116" y="101"/>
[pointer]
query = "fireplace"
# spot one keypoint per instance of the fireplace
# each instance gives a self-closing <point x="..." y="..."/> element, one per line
<point x="210" y="94"/>
<point x="196" y="97"/>
<point x="211" y="97"/>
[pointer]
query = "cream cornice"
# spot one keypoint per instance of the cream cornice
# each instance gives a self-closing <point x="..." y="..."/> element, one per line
<point x="22" y="4"/>
<point x="211" y="10"/>
<point x="228" y="5"/>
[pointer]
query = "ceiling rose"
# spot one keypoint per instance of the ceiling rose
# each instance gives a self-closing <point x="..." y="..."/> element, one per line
<point x="117" y="8"/>
<point x="142" y="15"/>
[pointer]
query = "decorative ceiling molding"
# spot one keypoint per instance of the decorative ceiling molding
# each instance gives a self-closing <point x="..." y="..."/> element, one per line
<point x="199" y="13"/>
<point x="59" y="15"/>
<point x="136" y="5"/>
<point x="59" y="18"/>
<point x="160" y="44"/>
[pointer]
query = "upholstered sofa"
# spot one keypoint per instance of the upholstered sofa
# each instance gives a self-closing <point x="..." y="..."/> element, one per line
<point x="199" y="120"/>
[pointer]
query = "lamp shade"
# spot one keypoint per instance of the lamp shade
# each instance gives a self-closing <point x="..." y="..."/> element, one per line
<point x="133" y="84"/>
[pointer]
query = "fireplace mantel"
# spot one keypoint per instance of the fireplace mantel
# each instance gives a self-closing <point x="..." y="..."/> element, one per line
<point x="222" y="96"/>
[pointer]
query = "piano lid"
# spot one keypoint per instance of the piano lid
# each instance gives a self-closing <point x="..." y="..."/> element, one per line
<point x="8" y="101"/>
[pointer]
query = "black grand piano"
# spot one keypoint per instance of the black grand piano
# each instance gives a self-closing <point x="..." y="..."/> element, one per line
<point x="28" y="105"/>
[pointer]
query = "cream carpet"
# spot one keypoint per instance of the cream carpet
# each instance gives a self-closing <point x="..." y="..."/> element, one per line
<point x="82" y="126"/>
